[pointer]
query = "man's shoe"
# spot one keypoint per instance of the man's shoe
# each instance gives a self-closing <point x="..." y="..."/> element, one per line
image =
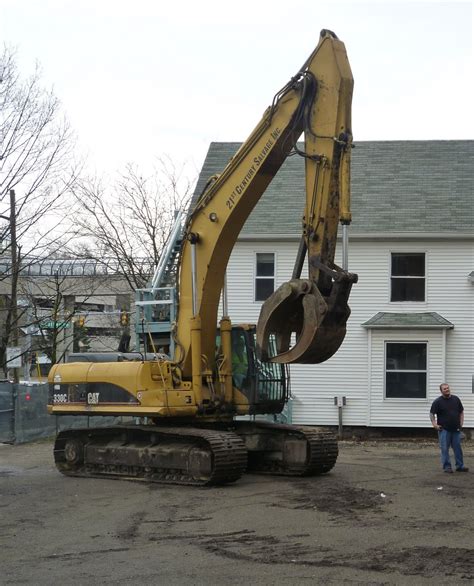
<point x="448" y="470"/>
<point x="462" y="469"/>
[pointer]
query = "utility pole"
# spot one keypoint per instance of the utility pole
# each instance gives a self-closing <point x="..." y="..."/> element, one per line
<point x="15" y="269"/>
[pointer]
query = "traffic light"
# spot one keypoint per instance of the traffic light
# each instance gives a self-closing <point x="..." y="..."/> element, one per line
<point x="81" y="320"/>
<point x="124" y="318"/>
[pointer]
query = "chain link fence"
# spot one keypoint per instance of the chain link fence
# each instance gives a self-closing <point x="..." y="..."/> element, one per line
<point x="24" y="416"/>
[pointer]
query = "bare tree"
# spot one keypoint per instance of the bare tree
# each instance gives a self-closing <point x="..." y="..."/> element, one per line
<point x="50" y="313"/>
<point x="36" y="154"/>
<point x="37" y="164"/>
<point x="131" y="222"/>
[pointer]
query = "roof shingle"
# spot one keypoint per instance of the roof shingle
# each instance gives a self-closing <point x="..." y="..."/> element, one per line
<point x="428" y="319"/>
<point x="397" y="187"/>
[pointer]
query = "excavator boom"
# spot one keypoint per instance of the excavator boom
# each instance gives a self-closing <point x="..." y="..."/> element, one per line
<point x="316" y="101"/>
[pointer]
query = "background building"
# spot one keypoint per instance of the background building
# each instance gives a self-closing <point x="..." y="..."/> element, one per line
<point x="67" y="305"/>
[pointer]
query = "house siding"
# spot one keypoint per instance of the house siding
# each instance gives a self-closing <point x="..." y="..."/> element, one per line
<point x="356" y="371"/>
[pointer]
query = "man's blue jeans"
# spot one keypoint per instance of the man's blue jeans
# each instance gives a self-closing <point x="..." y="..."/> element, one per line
<point x="451" y="439"/>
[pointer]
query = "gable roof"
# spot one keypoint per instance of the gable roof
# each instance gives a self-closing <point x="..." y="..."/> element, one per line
<point x="398" y="187"/>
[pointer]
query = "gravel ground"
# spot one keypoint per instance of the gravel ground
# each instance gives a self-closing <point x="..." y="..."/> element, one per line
<point x="386" y="514"/>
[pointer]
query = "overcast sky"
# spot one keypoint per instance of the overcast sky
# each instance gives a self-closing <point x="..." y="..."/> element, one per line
<point x="141" y="79"/>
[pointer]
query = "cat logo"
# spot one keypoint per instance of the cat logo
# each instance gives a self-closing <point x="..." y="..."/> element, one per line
<point x="92" y="398"/>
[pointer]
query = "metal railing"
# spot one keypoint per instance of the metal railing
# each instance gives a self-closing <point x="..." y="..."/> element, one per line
<point x="73" y="267"/>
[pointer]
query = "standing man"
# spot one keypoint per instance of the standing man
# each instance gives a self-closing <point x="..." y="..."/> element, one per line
<point x="447" y="416"/>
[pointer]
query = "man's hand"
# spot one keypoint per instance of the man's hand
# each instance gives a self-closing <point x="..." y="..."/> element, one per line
<point x="434" y="422"/>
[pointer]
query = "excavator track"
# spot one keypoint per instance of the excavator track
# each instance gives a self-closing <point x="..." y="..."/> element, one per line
<point x="168" y="455"/>
<point x="288" y="450"/>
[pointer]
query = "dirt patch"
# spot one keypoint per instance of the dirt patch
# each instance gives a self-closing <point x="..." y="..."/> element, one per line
<point x="425" y="561"/>
<point x="131" y="531"/>
<point x="269" y="549"/>
<point x="331" y="496"/>
<point x="248" y="546"/>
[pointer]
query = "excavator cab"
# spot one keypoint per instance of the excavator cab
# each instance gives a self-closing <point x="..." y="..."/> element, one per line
<point x="264" y="384"/>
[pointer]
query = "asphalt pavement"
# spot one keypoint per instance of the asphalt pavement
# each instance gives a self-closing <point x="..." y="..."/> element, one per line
<point x="386" y="514"/>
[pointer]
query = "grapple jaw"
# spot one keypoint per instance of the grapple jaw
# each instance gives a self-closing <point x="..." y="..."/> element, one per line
<point x="318" y="322"/>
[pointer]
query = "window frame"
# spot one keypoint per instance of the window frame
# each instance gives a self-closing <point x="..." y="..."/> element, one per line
<point x="426" y="370"/>
<point x="424" y="277"/>
<point x="273" y="277"/>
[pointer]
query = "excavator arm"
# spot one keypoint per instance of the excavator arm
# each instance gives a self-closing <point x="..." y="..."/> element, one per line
<point x="316" y="101"/>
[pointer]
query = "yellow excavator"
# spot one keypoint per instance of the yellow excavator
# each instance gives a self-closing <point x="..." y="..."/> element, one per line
<point x="188" y="408"/>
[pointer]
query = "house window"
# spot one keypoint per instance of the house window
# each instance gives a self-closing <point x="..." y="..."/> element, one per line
<point x="405" y="370"/>
<point x="408" y="276"/>
<point x="264" y="275"/>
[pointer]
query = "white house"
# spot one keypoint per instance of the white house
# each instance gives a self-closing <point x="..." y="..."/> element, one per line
<point x="412" y="245"/>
